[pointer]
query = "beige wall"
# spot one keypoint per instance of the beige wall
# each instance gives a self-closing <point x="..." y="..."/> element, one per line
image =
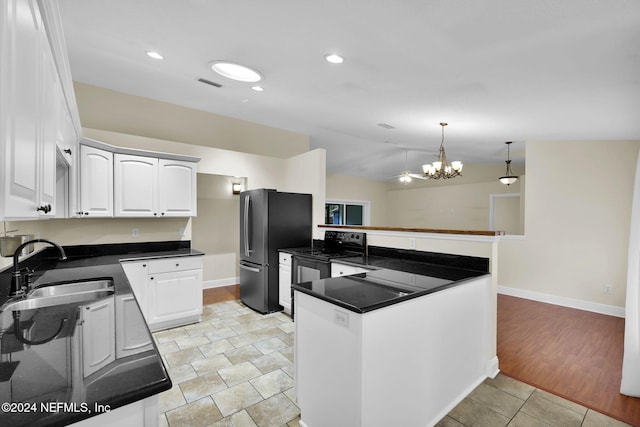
<point x="216" y="229"/>
<point x="129" y="114"/>
<point x="464" y="206"/>
<point x="91" y="231"/>
<point x="578" y="212"/>
<point x="351" y="188"/>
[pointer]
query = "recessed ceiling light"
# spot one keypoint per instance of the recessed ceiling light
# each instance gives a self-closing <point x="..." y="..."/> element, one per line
<point x="154" y="55"/>
<point x="234" y="71"/>
<point x="334" y="59"/>
<point x="257" y="88"/>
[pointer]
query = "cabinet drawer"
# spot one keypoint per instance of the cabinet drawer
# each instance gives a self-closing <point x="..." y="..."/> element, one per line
<point x="175" y="264"/>
<point x="284" y="258"/>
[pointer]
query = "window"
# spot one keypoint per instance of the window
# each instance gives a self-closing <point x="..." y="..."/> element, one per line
<point x="346" y="212"/>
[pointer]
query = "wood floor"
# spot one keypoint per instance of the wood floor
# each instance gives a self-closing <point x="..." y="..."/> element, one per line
<point x="571" y="353"/>
<point x="224" y="293"/>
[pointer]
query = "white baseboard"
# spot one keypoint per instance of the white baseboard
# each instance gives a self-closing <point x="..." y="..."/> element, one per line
<point x="610" y="310"/>
<point x="218" y="283"/>
<point x="492" y="367"/>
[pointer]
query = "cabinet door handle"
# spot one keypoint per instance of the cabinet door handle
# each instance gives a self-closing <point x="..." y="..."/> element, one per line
<point x="177" y="265"/>
<point x="144" y="265"/>
<point x="67" y="150"/>
<point x="44" y="208"/>
<point x="150" y="278"/>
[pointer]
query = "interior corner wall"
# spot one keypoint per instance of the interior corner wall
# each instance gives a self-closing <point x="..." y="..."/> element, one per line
<point x="577" y="218"/>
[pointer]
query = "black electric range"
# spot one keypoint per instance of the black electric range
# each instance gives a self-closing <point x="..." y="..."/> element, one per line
<point x="308" y="264"/>
<point x="336" y="244"/>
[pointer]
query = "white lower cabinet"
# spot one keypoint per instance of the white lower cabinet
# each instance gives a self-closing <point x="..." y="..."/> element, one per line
<point x="168" y="290"/>
<point x="339" y="269"/>
<point x="98" y="335"/>
<point x="129" y="340"/>
<point x="284" y="281"/>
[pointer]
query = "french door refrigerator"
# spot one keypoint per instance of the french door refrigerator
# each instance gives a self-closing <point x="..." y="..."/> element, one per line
<point x="269" y="220"/>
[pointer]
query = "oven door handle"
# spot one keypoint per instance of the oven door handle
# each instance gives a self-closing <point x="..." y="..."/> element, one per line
<point x="253" y="269"/>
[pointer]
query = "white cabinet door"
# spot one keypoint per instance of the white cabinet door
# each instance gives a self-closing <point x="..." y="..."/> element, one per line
<point x="138" y="273"/>
<point x="96" y="182"/>
<point x="174" y="296"/>
<point x="98" y="335"/>
<point x="129" y="340"/>
<point x="19" y="114"/>
<point x="177" y="189"/>
<point x="135" y="186"/>
<point x="284" y="281"/>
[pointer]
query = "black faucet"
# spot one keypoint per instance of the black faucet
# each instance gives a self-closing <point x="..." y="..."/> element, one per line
<point x="20" y="278"/>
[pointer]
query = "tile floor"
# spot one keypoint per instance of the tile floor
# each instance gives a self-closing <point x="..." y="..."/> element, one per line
<point x="235" y="369"/>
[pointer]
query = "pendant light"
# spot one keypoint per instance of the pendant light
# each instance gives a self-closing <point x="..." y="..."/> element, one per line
<point x="441" y="168"/>
<point x="509" y="178"/>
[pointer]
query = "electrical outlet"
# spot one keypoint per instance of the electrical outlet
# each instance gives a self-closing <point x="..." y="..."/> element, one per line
<point x="135" y="232"/>
<point x="608" y="289"/>
<point x="341" y="318"/>
<point x="181" y="231"/>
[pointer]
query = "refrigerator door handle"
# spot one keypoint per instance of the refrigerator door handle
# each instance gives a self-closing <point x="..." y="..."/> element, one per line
<point x="247" y="201"/>
<point x="253" y="269"/>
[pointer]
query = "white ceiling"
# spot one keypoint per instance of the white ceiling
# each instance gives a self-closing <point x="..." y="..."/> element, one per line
<point x="495" y="70"/>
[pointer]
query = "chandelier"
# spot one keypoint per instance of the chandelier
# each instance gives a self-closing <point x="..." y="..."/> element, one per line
<point x="509" y="178"/>
<point x="441" y="168"/>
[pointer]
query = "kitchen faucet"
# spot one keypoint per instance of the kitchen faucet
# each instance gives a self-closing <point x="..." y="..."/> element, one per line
<point x="21" y="278"/>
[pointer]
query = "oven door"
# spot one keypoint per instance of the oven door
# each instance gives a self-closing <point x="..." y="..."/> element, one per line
<point x="307" y="269"/>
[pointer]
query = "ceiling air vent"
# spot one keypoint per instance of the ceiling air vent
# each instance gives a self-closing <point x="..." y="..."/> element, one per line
<point x="209" y="82"/>
<point x="386" y="126"/>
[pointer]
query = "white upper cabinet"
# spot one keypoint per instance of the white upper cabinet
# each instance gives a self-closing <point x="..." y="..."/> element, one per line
<point x="33" y="101"/>
<point x="177" y="189"/>
<point x="152" y="187"/>
<point x="136" y="186"/>
<point x="96" y="183"/>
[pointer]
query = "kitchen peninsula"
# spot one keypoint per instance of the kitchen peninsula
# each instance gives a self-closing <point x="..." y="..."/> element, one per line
<point x="401" y="344"/>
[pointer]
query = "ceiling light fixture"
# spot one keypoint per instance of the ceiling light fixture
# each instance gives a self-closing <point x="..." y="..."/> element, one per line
<point x="235" y="71"/>
<point x="257" y="88"/>
<point x="334" y="59"/>
<point x="509" y="178"/>
<point x="441" y="168"/>
<point x="154" y="55"/>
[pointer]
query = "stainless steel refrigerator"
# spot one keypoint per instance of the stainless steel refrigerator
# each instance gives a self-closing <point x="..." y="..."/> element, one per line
<point x="269" y="220"/>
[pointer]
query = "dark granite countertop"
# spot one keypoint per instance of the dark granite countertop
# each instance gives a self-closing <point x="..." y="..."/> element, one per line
<point x="34" y="375"/>
<point x="397" y="275"/>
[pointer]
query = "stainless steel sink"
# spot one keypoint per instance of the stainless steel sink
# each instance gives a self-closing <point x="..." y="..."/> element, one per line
<point x="71" y="288"/>
<point x="57" y="294"/>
